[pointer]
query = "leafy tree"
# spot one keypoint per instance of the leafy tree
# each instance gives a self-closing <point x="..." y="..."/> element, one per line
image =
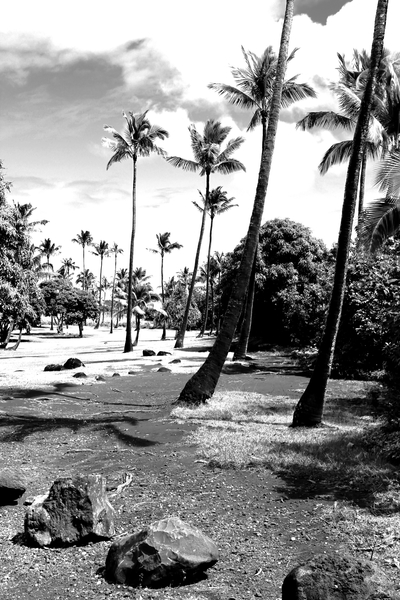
<point x="164" y="246"/>
<point x="202" y="385"/>
<point x="84" y="239"/>
<point x="137" y="140"/>
<point x="309" y="409"/>
<point x="208" y="159"/>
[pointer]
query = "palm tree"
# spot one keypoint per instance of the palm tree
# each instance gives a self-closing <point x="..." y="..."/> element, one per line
<point x="208" y="159"/>
<point x="105" y="285"/>
<point x="67" y="265"/>
<point x="164" y="246"/>
<point x="144" y="297"/>
<point x="254" y="91"/>
<point x="218" y="203"/>
<point x="101" y="249"/>
<point x="309" y="409"/>
<point x="114" y="250"/>
<point x="86" y="279"/>
<point x="48" y="249"/>
<point x="138" y="139"/>
<point x="84" y="238"/>
<point x="202" y="385"/>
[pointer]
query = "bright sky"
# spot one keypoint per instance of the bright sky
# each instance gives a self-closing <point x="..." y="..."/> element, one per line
<point x="67" y="69"/>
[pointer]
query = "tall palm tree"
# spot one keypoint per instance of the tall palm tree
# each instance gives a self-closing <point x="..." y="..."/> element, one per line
<point x="254" y="91"/>
<point x="202" y="385"/>
<point x="101" y="249"/>
<point x="218" y="203"/>
<point x="48" y="249"/>
<point x="208" y="159"/>
<point x="115" y="249"/>
<point x="137" y="140"/>
<point x="67" y="265"/>
<point x="164" y="246"/>
<point x="84" y="239"/>
<point x="309" y="409"/>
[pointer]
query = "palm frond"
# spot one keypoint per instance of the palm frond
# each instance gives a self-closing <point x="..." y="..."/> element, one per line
<point x="229" y="166"/>
<point x="231" y="147"/>
<point x="183" y="163"/>
<point x="335" y="155"/>
<point x="234" y="96"/>
<point x="120" y="154"/>
<point x="293" y="92"/>
<point x="381" y="220"/>
<point x="255" y="120"/>
<point x="327" y="120"/>
<point x="388" y="174"/>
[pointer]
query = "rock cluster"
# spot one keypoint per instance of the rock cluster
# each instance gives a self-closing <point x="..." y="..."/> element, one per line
<point x="71" y="363"/>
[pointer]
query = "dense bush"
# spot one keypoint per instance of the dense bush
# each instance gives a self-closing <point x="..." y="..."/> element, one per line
<point x="293" y="275"/>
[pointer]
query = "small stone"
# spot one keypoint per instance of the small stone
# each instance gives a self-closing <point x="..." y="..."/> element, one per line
<point x="116" y="375"/>
<point x="163" y="370"/>
<point x="100" y="378"/>
<point x="53" y="367"/>
<point x="175" y="361"/>
<point x="163" y="353"/>
<point x="149" y="353"/>
<point x="132" y="372"/>
<point x="80" y="375"/>
<point x="73" y="363"/>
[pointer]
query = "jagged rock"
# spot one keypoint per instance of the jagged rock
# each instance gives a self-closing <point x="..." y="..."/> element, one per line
<point x="163" y="370"/>
<point x="73" y="363"/>
<point x="149" y="353"/>
<point x="80" y="375"/>
<point x="337" y="577"/>
<point x="100" y="378"/>
<point x="175" y="361"/>
<point x="116" y="375"/>
<point x="53" y="367"/>
<point x="12" y="486"/>
<point x="168" y="552"/>
<point x="163" y="353"/>
<point x="76" y="510"/>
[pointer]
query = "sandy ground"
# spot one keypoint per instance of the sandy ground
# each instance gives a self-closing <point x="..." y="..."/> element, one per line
<point x="101" y="353"/>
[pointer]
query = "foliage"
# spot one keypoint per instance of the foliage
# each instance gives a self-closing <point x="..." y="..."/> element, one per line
<point x="292" y="283"/>
<point x="175" y="307"/>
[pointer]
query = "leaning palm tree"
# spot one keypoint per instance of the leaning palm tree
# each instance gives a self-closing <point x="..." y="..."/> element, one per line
<point x="309" y="409"/>
<point x="102" y="250"/>
<point x="208" y="159"/>
<point x="254" y="91"/>
<point x="84" y="239"/>
<point x="164" y="246"/>
<point x="202" y="385"/>
<point x="218" y="203"/>
<point x="137" y="140"/>
<point x="114" y="250"/>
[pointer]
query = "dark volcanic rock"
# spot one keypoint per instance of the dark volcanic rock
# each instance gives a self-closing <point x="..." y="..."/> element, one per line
<point x="168" y="552"/>
<point x="175" y="361"/>
<point x="116" y="375"/>
<point x="149" y="353"/>
<point x="53" y="368"/>
<point x="163" y="353"/>
<point x="80" y="375"/>
<point x="163" y="370"/>
<point x="336" y="577"/>
<point x="73" y="363"/>
<point x="12" y="486"/>
<point x="75" y="510"/>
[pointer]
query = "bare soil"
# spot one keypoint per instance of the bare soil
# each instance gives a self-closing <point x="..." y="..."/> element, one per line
<point x="52" y="425"/>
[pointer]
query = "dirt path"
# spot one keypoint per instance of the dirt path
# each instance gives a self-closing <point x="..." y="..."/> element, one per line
<point x="123" y="425"/>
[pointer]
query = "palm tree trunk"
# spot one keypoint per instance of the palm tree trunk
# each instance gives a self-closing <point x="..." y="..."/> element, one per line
<point x="204" y="325"/>
<point x="181" y="334"/>
<point x="101" y="273"/>
<point x="83" y="272"/>
<point x="212" y="307"/>
<point x="309" y="410"/>
<point x="128" y="338"/>
<point x="164" y="332"/>
<point x="361" y="192"/>
<point x="202" y="385"/>
<point x="135" y="343"/>
<point x="112" y="295"/>
<point x="241" y="350"/>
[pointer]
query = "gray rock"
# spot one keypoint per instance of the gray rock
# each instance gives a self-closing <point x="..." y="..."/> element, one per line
<point x="163" y="370"/>
<point x="12" y="486"/>
<point x="335" y="577"/>
<point x="163" y="353"/>
<point x="76" y="510"/>
<point x="80" y="375"/>
<point x="149" y="353"/>
<point x="168" y="552"/>
<point x="175" y="361"/>
<point x="116" y="375"/>
<point x="53" y="367"/>
<point x="73" y="363"/>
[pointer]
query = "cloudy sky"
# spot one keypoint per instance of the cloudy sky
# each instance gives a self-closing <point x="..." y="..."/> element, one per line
<point x="67" y="69"/>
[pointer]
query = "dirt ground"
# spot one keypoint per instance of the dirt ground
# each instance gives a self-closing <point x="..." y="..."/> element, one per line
<point x="53" y="425"/>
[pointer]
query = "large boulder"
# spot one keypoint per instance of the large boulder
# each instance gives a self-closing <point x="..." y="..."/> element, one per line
<point x="76" y="510"/>
<point x="147" y="352"/>
<point x="53" y="367"/>
<point x="168" y="552"/>
<point x="12" y="486"/>
<point x="337" y="577"/>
